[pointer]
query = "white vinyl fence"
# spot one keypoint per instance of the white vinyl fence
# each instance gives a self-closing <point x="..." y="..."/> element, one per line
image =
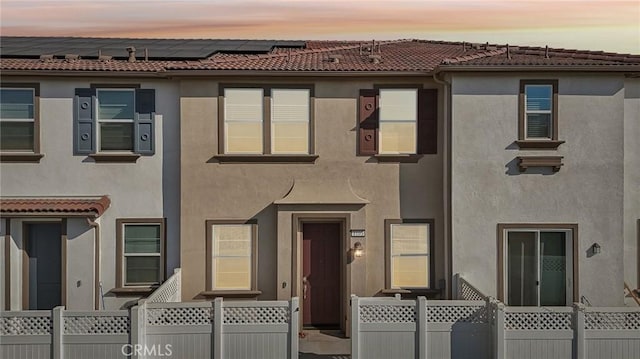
<point x="230" y="330"/>
<point x="394" y="328"/>
<point x="169" y="291"/>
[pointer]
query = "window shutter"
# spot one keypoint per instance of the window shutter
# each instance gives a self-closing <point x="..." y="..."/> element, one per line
<point x="144" y="132"/>
<point x="428" y="121"/>
<point x="84" y="127"/>
<point x="368" y="123"/>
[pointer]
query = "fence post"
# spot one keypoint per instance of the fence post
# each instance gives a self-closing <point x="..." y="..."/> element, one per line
<point x="499" y="342"/>
<point x="578" y="330"/>
<point x="294" y="312"/>
<point x="58" y="331"/>
<point x="139" y="328"/>
<point x="355" y="327"/>
<point x="218" y="319"/>
<point x="421" y="326"/>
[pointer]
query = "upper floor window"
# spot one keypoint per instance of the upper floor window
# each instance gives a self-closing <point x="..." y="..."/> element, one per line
<point x="18" y="118"/>
<point x="111" y="119"/>
<point x="398" y="121"/>
<point x="266" y="121"/>
<point x="538" y="123"/>
<point x="116" y="110"/>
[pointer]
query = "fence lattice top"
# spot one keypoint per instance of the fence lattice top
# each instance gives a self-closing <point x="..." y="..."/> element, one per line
<point x="25" y="325"/>
<point x="256" y="315"/>
<point x="180" y="316"/>
<point x="457" y="313"/>
<point x="538" y="321"/>
<point x="103" y="325"/>
<point x="380" y="313"/>
<point x="612" y="321"/>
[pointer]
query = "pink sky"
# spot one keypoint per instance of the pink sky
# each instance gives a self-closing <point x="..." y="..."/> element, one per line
<point x="584" y="24"/>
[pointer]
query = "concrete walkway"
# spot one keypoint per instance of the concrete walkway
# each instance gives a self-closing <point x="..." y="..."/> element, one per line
<point x="324" y="344"/>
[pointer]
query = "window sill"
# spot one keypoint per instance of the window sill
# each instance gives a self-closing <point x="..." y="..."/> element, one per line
<point x="231" y="293"/>
<point x="133" y="291"/>
<point x="539" y="144"/>
<point x="555" y="162"/>
<point x="21" y="157"/>
<point x="408" y="158"/>
<point x="115" y="157"/>
<point x="265" y="158"/>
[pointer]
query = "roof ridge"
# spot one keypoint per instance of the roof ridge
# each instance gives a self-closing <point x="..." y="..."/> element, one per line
<point x="478" y="55"/>
<point x="244" y="57"/>
<point x="577" y="54"/>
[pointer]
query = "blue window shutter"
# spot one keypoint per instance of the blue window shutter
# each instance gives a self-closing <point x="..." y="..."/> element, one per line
<point x="84" y="126"/>
<point x="144" y="130"/>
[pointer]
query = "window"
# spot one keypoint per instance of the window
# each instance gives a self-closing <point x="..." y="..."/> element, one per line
<point x="231" y="256"/>
<point x="18" y="118"/>
<point x="538" y="262"/>
<point x="538" y="124"/>
<point x="114" y="120"/>
<point x="141" y="248"/>
<point x="398" y="122"/>
<point x="265" y="120"/>
<point x="116" y="110"/>
<point x="409" y="247"/>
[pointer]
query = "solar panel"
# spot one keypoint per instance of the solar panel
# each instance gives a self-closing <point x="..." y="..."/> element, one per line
<point x="26" y="46"/>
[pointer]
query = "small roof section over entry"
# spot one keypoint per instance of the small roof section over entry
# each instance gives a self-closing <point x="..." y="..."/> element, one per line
<point x="54" y="206"/>
<point x="320" y="191"/>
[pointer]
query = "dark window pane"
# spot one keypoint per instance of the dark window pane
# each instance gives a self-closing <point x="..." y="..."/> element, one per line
<point x="16" y="103"/>
<point x="116" y="136"/>
<point x="538" y="125"/>
<point x="538" y="97"/>
<point x="115" y="105"/>
<point x="142" y="238"/>
<point x="142" y="270"/>
<point x="553" y="268"/>
<point x="521" y="269"/>
<point x="16" y="136"/>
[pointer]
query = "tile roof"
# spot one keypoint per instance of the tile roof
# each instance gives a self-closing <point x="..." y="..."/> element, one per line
<point x="351" y="56"/>
<point x="94" y="206"/>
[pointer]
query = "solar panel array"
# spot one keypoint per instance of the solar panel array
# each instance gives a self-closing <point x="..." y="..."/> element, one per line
<point x="157" y="49"/>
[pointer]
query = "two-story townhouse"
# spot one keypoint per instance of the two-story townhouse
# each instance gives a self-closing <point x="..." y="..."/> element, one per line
<point x="324" y="169"/>
<point x="89" y="156"/>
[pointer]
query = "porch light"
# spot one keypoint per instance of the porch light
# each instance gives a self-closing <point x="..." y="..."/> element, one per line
<point x="358" y="249"/>
<point x="595" y="248"/>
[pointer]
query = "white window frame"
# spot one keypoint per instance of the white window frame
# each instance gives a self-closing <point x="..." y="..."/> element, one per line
<point x="427" y="254"/>
<point x="125" y="282"/>
<point x="252" y="257"/>
<point x="226" y="121"/>
<point x="544" y="112"/>
<point x="569" y="239"/>
<point x="414" y="121"/>
<point x="99" y="121"/>
<point x="32" y="120"/>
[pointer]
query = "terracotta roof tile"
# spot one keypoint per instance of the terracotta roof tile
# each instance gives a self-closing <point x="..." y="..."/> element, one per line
<point x="59" y="206"/>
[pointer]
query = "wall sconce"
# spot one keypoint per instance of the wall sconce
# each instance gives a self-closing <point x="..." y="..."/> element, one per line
<point x="358" y="249"/>
<point x="595" y="248"/>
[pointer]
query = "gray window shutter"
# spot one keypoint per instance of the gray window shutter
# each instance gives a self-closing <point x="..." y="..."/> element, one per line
<point x="144" y="132"/>
<point x="84" y="127"/>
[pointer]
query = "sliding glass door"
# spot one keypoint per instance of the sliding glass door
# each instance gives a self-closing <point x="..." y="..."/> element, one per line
<point x="539" y="267"/>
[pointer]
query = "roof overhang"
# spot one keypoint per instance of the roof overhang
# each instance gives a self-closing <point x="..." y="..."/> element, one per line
<point x="54" y="206"/>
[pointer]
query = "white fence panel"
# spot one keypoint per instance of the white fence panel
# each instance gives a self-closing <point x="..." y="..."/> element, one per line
<point x="26" y="335"/>
<point x="538" y="332"/>
<point x="95" y="334"/>
<point x="612" y="333"/>
<point x="458" y="329"/>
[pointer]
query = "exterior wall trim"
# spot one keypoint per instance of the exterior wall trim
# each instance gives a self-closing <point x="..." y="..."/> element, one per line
<point x="7" y="264"/>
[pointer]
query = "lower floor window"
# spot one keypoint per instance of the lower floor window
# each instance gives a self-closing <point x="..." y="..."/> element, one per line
<point x="142" y="251"/>
<point x="538" y="266"/>
<point x="231" y="255"/>
<point x="409" y="249"/>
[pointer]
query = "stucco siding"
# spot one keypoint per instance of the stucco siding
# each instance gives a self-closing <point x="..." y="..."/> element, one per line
<point x="487" y="187"/>
<point x="632" y="183"/>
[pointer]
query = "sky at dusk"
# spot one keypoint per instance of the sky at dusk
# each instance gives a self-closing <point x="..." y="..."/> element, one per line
<point x="582" y="24"/>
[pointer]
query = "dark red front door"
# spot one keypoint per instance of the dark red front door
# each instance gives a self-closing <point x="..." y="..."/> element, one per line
<point x="321" y="274"/>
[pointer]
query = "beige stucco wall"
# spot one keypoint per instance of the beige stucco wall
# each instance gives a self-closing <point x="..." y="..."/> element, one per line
<point x="212" y="190"/>
<point x="147" y="189"/>
<point x="487" y="188"/>
<point x="632" y="183"/>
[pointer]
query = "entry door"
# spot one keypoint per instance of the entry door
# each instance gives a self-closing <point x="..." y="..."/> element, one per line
<point x="45" y="265"/>
<point x="321" y="274"/>
<point x="539" y="268"/>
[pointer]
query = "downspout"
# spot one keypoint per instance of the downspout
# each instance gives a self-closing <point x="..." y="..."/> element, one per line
<point x="448" y="258"/>
<point x="97" y="285"/>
